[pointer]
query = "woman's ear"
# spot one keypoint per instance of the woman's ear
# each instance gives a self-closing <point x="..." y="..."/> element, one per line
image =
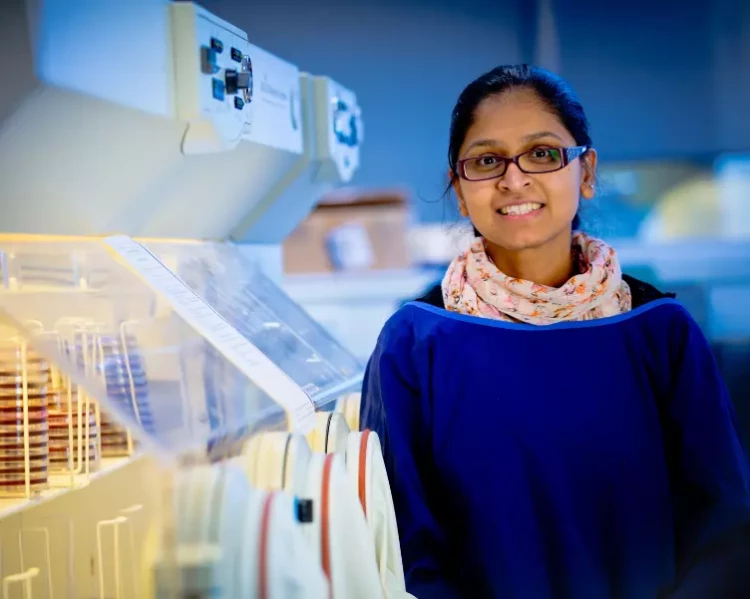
<point x="588" y="174"/>
<point x="456" y="185"/>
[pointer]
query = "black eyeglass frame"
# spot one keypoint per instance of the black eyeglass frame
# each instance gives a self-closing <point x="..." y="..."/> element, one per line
<point x="567" y="155"/>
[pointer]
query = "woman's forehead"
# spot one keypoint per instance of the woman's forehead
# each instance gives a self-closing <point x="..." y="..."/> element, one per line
<point x="513" y="119"/>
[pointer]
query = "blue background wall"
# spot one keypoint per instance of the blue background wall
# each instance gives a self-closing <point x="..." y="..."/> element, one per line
<point x="659" y="78"/>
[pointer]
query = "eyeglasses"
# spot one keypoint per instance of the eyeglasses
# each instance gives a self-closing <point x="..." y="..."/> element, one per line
<point x="536" y="161"/>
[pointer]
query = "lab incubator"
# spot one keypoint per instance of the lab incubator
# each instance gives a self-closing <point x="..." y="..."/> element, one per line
<point x="171" y="423"/>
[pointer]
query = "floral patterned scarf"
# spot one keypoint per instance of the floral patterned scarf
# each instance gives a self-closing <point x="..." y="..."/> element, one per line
<point x="474" y="285"/>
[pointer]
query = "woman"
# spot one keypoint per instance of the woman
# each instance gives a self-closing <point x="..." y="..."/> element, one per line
<point x="552" y="428"/>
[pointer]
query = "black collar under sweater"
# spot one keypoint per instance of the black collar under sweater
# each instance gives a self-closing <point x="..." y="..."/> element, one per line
<point x="642" y="292"/>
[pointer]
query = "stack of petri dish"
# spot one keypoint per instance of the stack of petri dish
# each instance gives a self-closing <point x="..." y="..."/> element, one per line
<point x="127" y="386"/>
<point x="24" y="426"/>
<point x="72" y="428"/>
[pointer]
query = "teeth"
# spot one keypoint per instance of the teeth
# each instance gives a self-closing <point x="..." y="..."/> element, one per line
<point x="520" y="208"/>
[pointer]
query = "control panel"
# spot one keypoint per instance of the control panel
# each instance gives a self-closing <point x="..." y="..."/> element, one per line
<point x="214" y="84"/>
<point x="339" y="128"/>
<point x="276" y="105"/>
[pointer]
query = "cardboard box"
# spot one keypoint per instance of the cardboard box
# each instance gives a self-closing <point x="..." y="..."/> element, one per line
<point x="356" y="232"/>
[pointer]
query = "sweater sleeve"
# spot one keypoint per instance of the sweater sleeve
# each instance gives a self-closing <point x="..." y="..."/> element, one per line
<point x="710" y="475"/>
<point x="394" y="406"/>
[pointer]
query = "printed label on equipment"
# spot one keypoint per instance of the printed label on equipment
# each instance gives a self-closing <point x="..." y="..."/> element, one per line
<point x="224" y="337"/>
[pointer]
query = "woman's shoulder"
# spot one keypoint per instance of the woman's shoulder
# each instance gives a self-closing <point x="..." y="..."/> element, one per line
<point x="643" y="293"/>
<point x="433" y="297"/>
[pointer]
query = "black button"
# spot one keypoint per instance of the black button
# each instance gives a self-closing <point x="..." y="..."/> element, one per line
<point x="218" y="89"/>
<point x="236" y="55"/>
<point x="217" y="45"/>
<point x="230" y="75"/>
<point x="304" y="511"/>
<point x="238" y="103"/>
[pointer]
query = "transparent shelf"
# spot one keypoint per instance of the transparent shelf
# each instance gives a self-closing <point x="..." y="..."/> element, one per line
<point x="82" y="308"/>
<point x="239" y="291"/>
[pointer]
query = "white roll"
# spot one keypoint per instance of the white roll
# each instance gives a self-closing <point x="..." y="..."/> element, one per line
<point x="276" y="461"/>
<point x="211" y="509"/>
<point x="339" y="535"/>
<point x="330" y="433"/>
<point x="349" y="407"/>
<point x="287" y="567"/>
<point x="369" y="479"/>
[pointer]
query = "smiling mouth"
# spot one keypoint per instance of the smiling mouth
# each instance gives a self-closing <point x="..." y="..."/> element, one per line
<point x="520" y="209"/>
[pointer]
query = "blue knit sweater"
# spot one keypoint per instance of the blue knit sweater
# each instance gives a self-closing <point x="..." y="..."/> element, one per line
<point x="582" y="460"/>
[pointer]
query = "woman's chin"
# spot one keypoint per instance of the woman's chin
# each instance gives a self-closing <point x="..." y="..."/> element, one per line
<point x="517" y="236"/>
<point x="518" y="241"/>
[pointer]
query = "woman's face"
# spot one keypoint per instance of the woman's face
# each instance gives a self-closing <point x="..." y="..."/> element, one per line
<point x="508" y="125"/>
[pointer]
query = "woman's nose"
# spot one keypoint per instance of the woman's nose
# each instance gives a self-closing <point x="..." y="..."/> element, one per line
<point x="514" y="179"/>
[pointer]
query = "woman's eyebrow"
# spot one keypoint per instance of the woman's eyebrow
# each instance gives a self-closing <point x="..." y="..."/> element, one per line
<point x="485" y="143"/>
<point x="541" y="135"/>
<point x="494" y="143"/>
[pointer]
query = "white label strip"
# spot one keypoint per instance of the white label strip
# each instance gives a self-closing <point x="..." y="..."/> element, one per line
<point x="223" y="336"/>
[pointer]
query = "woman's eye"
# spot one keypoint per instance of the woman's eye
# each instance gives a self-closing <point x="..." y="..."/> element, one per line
<point x="487" y="160"/>
<point x="545" y="154"/>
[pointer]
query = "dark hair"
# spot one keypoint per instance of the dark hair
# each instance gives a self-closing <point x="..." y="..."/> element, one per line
<point x="554" y="91"/>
